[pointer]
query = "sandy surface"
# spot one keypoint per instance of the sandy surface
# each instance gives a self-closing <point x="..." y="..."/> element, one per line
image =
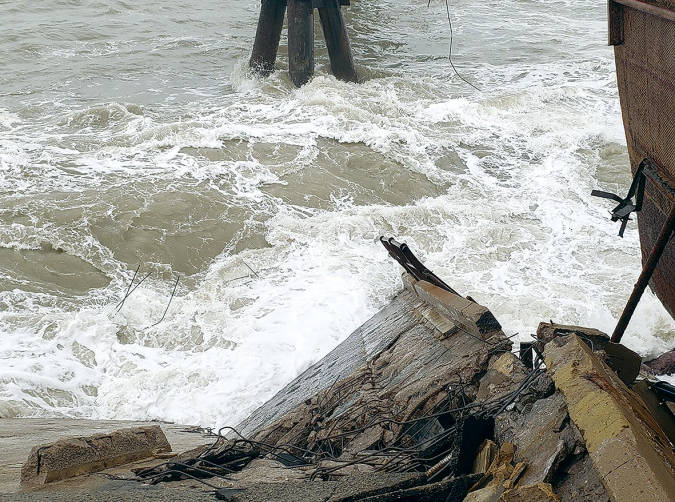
<point x="19" y="435"/>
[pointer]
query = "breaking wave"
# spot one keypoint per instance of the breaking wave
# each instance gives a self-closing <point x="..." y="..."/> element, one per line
<point x="266" y="202"/>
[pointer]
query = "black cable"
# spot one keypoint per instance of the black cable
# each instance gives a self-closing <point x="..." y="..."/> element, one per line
<point x="447" y="10"/>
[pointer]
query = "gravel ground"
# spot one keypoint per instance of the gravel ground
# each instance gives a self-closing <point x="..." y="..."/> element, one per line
<point x="112" y="491"/>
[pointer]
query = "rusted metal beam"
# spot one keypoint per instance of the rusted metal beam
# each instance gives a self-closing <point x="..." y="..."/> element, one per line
<point x="337" y="41"/>
<point x="267" y="36"/>
<point x="300" y="41"/>
<point x="645" y="276"/>
<point x="649" y="8"/>
<point x="614" y="23"/>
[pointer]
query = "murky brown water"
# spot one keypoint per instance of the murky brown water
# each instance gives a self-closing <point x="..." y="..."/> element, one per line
<point x="130" y="134"/>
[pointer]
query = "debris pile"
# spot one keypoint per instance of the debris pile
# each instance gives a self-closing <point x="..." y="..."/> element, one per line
<point x="442" y="409"/>
<point x="428" y="402"/>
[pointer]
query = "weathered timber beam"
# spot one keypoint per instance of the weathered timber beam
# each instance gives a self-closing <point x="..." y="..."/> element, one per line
<point x="267" y="36"/>
<point x="337" y="41"/>
<point x="300" y="41"/>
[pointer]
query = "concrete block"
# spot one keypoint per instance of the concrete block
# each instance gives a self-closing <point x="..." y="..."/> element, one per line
<point x="539" y="492"/>
<point x="468" y="315"/>
<point x="67" y="458"/>
<point x="504" y="375"/>
<point x="631" y="453"/>
<point x="547" y="331"/>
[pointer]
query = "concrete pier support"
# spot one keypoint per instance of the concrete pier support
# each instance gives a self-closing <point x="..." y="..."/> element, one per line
<point x="300" y="41"/>
<point x="337" y="42"/>
<point x="267" y="36"/>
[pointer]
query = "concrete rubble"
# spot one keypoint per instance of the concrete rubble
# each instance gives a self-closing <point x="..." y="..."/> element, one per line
<point x="427" y="402"/>
<point x="664" y="364"/>
<point x="67" y="458"/>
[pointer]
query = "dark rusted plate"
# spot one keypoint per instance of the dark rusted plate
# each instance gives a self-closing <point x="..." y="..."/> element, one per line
<point x="645" y="68"/>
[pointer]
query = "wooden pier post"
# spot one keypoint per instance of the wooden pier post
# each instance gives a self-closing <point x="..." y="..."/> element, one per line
<point x="300" y="41"/>
<point x="337" y="42"/>
<point x="267" y="36"/>
<point x="301" y="38"/>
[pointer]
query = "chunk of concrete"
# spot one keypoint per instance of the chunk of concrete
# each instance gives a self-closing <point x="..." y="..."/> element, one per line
<point x="543" y="437"/>
<point x="547" y="331"/>
<point x="539" y="492"/>
<point x="67" y="458"/>
<point x="504" y="374"/>
<point x="466" y="314"/>
<point x="627" y="447"/>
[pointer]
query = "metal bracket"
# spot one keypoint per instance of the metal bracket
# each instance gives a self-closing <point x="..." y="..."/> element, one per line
<point x="400" y="252"/>
<point x="626" y="205"/>
<point x="637" y="190"/>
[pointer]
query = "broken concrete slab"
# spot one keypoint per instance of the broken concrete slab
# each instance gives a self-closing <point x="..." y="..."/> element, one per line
<point x="404" y="379"/>
<point x="505" y="372"/>
<point x="664" y="364"/>
<point x="543" y="437"/>
<point x="627" y="447"/>
<point x="67" y="458"/>
<point x="539" y="492"/>
<point x="547" y="331"/>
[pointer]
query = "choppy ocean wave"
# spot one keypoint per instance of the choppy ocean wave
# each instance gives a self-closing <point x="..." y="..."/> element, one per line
<point x="146" y="143"/>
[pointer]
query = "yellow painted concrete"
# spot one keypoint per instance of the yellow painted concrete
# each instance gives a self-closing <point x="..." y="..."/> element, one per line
<point x="631" y="453"/>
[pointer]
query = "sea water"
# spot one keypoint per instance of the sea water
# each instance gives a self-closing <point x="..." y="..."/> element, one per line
<point x="132" y="137"/>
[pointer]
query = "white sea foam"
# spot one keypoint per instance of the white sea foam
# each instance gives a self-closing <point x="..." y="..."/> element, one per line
<point x="490" y="188"/>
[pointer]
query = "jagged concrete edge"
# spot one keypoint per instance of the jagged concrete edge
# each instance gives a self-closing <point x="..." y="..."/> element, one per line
<point x="371" y="338"/>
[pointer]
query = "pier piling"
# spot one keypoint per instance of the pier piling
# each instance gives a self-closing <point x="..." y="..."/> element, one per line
<point x="301" y="38"/>
<point x="300" y="41"/>
<point x="267" y="36"/>
<point x="337" y="42"/>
